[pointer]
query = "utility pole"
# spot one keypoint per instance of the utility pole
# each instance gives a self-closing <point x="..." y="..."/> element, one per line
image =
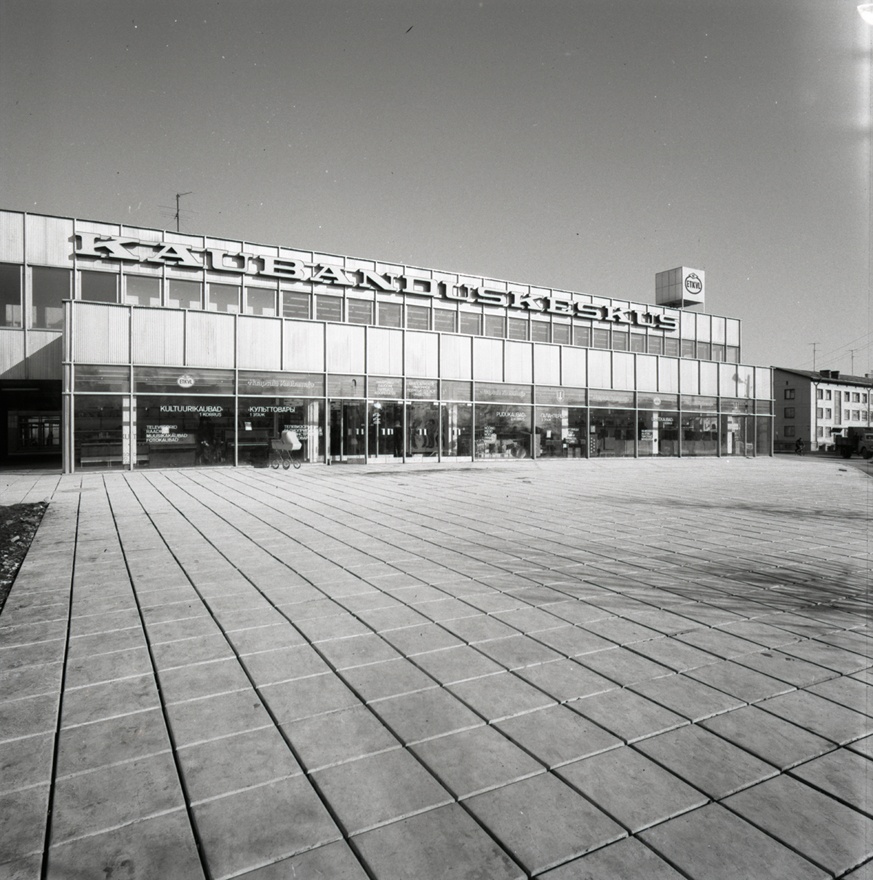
<point x="178" y="213"/>
<point x="814" y="345"/>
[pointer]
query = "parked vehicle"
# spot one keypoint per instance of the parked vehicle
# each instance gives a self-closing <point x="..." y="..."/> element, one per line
<point x="854" y="440"/>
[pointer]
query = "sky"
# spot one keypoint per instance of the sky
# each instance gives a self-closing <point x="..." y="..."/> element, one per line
<point x="579" y="144"/>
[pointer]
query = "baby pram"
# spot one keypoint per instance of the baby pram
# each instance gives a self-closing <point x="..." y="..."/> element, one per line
<point x="282" y="450"/>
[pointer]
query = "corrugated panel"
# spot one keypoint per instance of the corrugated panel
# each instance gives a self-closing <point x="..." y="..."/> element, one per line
<point x="422" y="354"/>
<point x="488" y="360"/>
<point x="158" y="337"/>
<point x="689" y="376"/>
<point x="44" y="352"/>
<point x="623" y="371"/>
<point x="599" y="369"/>
<point x="260" y="343"/>
<point x="456" y="357"/>
<point x="727" y="381"/>
<point x="303" y="347"/>
<point x="101" y="334"/>
<point x="573" y="366"/>
<point x="518" y="362"/>
<point x="345" y="349"/>
<point x="11" y="237"/>
<point x="209" y="339"/>
<point x="49" y="241"/>
<point x="763" y="383"/>
<point x="384" y="351"/>
<point x="668" y="375"/>
<point x="12" y="354"/>
<point x="547" y="364"/>
<point x="647" y="374"/>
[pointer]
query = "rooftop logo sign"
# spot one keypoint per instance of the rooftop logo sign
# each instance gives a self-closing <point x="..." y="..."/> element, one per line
<point x="113" y="249"/>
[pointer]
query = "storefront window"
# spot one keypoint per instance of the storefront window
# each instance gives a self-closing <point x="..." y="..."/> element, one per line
<point x="503" y="430"/>
<point x="658" y="433"/>
<point x="10" y="295"/>
<point x="102" y="378"/>
<point x="173" y="380"/>
<point x="561" y="432"/>
<point x="50" y="287"/>
<point x="422" y="389"/>
<point x="503" y="391"/>
<point x="422" y="429"/>
<point x="612" y="433"/>
<point x="455" y="390"/>
<point x="360" y="311"/>
<point x="385" y="387"/>
<point x="699" y="434"/>
<point x="457" y="430"/>
<point x="289" y="384"/>
<point x="763" y="436"/>
<point x="737" y="435"/>
<point x="98" y="432"/>
<point x="263" y="420"/>
<point x="184" y="431"/>
<point x="98" y="287"/>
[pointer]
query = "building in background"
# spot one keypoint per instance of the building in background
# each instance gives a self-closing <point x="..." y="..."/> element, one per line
<point x="812" y="406"/>
<point x="128" y="347"/>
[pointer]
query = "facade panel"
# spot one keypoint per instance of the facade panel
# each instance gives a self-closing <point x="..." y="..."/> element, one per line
<point x="101" y="334"/>
<point x="158" y="336"/>
<point x="260" y="343"/>
<point x="11" y="237"/>
<point x="209" y="339"/>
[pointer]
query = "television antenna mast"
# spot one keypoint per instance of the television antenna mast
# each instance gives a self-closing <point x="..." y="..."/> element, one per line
<point x="178" y="211"/>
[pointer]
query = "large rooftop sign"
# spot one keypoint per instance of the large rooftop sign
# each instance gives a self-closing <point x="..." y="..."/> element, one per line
<point x="133" y="251"/>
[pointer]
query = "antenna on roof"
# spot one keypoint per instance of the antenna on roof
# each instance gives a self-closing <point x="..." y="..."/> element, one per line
<point x="178" y="212"/>
<point x="813" y="344"/>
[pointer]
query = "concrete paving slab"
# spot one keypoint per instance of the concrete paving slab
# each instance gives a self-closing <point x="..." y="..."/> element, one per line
<point x="826" y="832"/>
<point x="425" y="714"/>
<point x="844" y="774"/>
<point x="542" y="822"/>
<point x="566" y="680"/>
<point x="704" y="760"/>
<point x="630" y="788"/>
<point x="704" y="844"/>
<point x="440" y="843"/>
<point x="337" y="737"/>
<point x="500" y="696"/>
<point x="686" y="696"/>
<point x="390" y="678"/>
<point x="626" y="860"/>
<point x="555" y="735"/>
<point x="110" y="741"/>
<point x="628" y="715"/>
<point x="820" y="716"/>
<point x="379" y="789"/>
<point x="334" y="861"/>
<point x="252" y="828"/>
<point x="767" y="736"/>
<point x="156" y="849"/>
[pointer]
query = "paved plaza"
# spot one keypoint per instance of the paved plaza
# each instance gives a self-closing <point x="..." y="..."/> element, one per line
<point x="598" y="669"/>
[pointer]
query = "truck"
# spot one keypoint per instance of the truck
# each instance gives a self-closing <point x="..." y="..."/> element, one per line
<point x="854" y="440"/>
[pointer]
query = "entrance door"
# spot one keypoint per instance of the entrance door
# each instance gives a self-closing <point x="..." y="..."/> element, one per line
<point x="348" y="430"/>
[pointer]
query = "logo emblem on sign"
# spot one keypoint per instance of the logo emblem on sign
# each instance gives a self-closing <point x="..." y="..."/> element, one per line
<point x="693" y="284"/>
<point x="184" y="381"/>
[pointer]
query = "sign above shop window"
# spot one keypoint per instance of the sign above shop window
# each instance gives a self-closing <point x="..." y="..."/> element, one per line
<point x="130" y="250"/>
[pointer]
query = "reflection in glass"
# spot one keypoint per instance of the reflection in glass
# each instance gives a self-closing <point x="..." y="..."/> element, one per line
<point x="699" y="434"/>
<point x="612" y="433"/>
<point x="50" y="287"/>
<point x="561" y="432"/>
<point x="503" y="430"/>
<point x="658" y="433"/>
<point x="457" y="430"/>
<point x="422" y="429"/>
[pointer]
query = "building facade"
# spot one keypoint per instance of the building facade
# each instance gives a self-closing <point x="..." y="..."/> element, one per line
<point x="128" y="347"/>
<point x="813" y="406"/>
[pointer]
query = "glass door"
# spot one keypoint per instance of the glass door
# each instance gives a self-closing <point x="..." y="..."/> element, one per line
<point x="348" y="430"/>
